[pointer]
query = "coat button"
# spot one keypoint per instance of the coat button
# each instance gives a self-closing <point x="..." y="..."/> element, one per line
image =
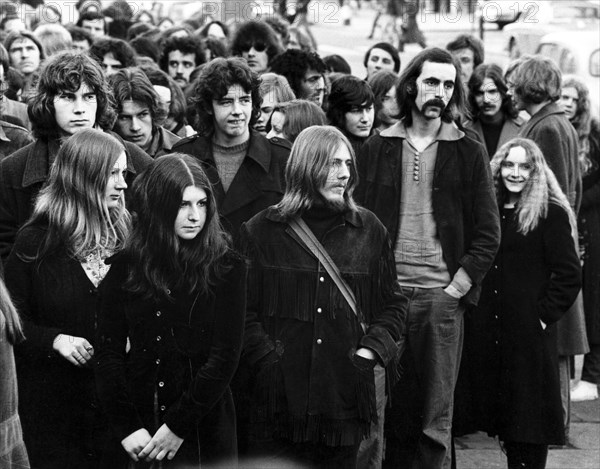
<point x="161" y="384"/>
<point x="168" y="291"/>
<point x="319" y="310"/>
<point x="158" y="361"/>
<point x="496" y="292"/>
<point x="321" y="279"/>
<point x="158" y="339"/>
<point x="158" y="313"/>
<point x="319" y="341"/>
<point x="162" y="407"/>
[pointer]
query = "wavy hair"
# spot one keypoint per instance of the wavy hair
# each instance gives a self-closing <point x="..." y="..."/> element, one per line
<point x="407" y="85"/>
<point x="380" y="83"/>
<point x="540" y="189"/>
<point x="307" y="169"/>
<point x="582" y="120"/>
<point x="250" y="31"/>
<point x="278" y="83"/>
<point x="132" y="84"/>
<point x="67" y="71"/>
<point x="494" y="73"/>
<point x="159" y="259"/>
<point x="214" y="82"/>
<point x="73" y="204"/>
<point x="537" y="79"/>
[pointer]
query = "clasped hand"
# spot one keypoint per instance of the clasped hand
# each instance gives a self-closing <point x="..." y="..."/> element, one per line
<point x="140" y="445"/>
<point x="76" y="350"/>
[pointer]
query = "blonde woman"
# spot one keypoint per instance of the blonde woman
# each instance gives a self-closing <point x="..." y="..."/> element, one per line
<point x="53" y="273"/>
<point x="535" y="278"/>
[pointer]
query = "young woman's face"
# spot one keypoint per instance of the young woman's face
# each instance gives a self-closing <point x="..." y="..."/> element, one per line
<point x="192" y="213"/>
<point x="516" y="170"/>
<point x="116" y="182"/>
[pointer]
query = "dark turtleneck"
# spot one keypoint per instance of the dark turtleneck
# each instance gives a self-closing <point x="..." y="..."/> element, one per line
<point x="321" y="218"/>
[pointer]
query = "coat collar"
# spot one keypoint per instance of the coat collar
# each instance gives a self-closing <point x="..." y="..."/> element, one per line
<point x="448" y="132"/>
<point x="547" y="110"/>
<point x="351" y="216"/>
<point x="40" y="158"/>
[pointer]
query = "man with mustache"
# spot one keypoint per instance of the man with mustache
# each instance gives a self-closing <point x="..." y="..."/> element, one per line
<point x="26" y="54"/>
<point x="494" y="118"/>
<point x="179" y="58"/>
<point x="430" y="185"/>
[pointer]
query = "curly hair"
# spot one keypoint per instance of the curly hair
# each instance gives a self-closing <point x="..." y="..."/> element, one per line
<point x="347" y="92"/>
<point x="299" y="115"/>
<point x="294" y="63"/>
<point x="67" y="71"/>
<point x="121" y="50"/>
<point x="494" y="73"/>
<point x="185" y="45"/>
<point x="159" y="258"/>
<point x="406" y="90"/>
<point x="214" y="82"/>
<point x="132" y="84"/>
<point x="583" y="121"/>
<point x="251" y="31"/>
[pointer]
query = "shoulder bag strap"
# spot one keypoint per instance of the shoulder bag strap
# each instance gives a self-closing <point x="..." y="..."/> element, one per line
<point x="316" y="248"/>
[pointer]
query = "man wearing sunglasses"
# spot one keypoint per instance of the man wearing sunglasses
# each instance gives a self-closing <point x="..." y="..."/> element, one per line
<point x="257" y="43"/>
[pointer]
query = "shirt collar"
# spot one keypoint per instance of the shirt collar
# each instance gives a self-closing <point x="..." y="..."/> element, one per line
<point x="448" y="132"/>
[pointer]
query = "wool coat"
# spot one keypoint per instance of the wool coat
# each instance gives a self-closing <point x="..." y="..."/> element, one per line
<point x="26" y="171"/>
<point x="514" y="360"/>
<point x="301" y="334"/>
<point x="550" y="129"/>
<point x="63" y="426"/>
<point x="258" y="184"/>
<point x="184" y="352"/>
<point x="510" y="130"/>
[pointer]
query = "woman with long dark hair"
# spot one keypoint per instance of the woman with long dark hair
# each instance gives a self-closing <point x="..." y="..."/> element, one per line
<point x="535" y="278"/>
<point x="575" y="100"/>
<point x="53" y="272"/>
<point x="178" y="293"/>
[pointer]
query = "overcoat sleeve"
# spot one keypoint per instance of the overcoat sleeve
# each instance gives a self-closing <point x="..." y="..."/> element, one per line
<point x="561" y="257"/>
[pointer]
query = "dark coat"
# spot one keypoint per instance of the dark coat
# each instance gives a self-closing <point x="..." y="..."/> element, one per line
<point x="61" y="419"/>
<point x="589" y="235"/>
<point x="464" y="204"/>
<point x="25" y="172"/>
<point x="510" y="130"/>
<point x="12" y="138"/>
<point x="296" y="311"/>
<point x="184" y="351"/>
<point x="553" y="133"/>
<point x="514" y="360"/>
<point x="550" y="129"/>
<point x="258" y="184"/>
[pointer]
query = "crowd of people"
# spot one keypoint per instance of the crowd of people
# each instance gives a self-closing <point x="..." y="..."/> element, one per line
<point x="219" y="248"/>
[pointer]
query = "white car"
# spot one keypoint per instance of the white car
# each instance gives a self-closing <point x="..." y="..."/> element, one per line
<point x="541" y="18"/>
<point x="576" y="53"/>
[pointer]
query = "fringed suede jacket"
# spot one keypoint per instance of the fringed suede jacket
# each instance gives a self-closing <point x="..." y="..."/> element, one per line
<point x="301" y="334"/>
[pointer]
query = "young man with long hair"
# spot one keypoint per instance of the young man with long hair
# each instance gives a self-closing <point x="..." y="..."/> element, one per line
<point x="317" y="358"/>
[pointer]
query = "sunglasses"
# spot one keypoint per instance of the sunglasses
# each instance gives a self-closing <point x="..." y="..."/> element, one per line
<point x="259" y="46"/>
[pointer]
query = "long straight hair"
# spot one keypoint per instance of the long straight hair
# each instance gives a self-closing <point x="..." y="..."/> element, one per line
<point x="160" y="259"/>
<point x="73" y="204"/>
<point x="9" y="317"/>
<point x="540" y="189"/>
<point x="308" y="167"/>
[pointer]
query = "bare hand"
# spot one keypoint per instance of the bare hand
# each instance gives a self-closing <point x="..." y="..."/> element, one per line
<point x="77" y="350"/>
<point x="164" y="443"/>
<point x="366" y="353"/>
<point x="135" y="442"/>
